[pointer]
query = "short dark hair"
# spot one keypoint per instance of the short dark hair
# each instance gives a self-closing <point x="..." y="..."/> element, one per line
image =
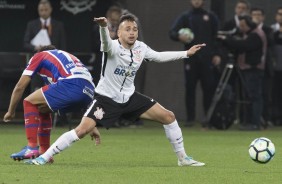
<point x="248" y="21"/>
<point x="44" y="2"/>
<point x="127" y="17"/>
<point x="258" y="9"/>
<point x="244" y="2"/>
<point x="47" y="47"/>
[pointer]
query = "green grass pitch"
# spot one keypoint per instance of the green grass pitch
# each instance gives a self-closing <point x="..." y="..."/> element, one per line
<point x="144" y="156"/>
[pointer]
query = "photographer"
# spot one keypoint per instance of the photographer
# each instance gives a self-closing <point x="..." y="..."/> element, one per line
<point x="251" y="51"/>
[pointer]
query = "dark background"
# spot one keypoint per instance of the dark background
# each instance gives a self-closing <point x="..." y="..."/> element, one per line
<point x="156" y="17"/>
<point x="78" y="27"/>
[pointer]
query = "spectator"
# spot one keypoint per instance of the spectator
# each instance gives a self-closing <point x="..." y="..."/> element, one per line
<point x="231" y="27"/>
<point x="54" y="28"/>
<point x="204" y="26"/>
<point x="242" y="8"/>
<point x="258" y="16"/>
<point x="277" y="88"/>
<point x="251" y="59"/>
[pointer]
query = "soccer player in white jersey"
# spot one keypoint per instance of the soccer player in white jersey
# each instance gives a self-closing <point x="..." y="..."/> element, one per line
<point x="115" y="95"/>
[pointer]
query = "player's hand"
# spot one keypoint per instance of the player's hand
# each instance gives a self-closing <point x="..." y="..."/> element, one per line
<point x="102" y="21"/>
<point x="9" y="116"/>
<point x="195" y="49"/>
<point x="95" y="135"/>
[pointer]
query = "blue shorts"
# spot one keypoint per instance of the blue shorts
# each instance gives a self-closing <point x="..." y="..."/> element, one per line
<point x="68" y="95"/>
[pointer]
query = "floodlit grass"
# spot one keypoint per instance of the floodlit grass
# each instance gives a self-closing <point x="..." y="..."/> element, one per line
<point x="144" y="155"/>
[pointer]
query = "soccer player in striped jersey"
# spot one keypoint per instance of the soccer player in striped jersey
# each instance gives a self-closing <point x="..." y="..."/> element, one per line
<point x="115" y="94"/>
<point x="68" y="88"/>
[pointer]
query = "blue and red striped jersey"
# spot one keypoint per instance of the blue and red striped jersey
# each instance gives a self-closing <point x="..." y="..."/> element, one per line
<point x="54" y="65"/>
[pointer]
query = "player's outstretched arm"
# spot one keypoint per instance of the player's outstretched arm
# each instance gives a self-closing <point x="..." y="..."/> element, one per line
<point x="195" y="49"/>
<point x="16" y="97"/>
<point x="106" y="41"/>
<point x="166" y="56"/>
<point x="102" y="21"/>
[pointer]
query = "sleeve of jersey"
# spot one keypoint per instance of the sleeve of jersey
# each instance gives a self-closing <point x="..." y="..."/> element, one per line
<point x="33" y="65"/>
<point x="161" y="57"/>
<point x="106" y="41"/>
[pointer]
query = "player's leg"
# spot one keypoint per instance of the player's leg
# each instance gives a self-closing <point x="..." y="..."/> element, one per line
<point x="62" y="100"/>
<point x="44" y="131"/>
<point x="32" y="122"/>
<point x="86" y="126"/>
<point x="66" y="140"/>
<point x="173" y="132"/>
<point x="160" y="114"/>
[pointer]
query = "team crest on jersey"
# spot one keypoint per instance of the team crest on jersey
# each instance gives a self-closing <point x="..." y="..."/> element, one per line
<point x="75" y="7"/>
<point x="137" y="54"/>
<point x="99" y="113"/>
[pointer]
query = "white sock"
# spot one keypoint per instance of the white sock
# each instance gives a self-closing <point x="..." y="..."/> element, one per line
<point x="174" y="135"/>
<point x="63" y="142"/>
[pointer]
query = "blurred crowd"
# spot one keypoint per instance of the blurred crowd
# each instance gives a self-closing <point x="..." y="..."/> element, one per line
<point x="252" y="48"/>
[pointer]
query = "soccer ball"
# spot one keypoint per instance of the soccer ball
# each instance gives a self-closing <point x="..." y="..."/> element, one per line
<point x="261" y="150"/>
<point x="188" y="33"/>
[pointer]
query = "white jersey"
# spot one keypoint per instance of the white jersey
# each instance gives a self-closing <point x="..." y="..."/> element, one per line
<point x="120" y="66"/>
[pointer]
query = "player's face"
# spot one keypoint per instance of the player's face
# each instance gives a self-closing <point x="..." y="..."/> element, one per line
<point x="44" y="11"/>
<point x="128" y="33"/>
<point x="257" y="17"/>
<point x="241" y="9"/>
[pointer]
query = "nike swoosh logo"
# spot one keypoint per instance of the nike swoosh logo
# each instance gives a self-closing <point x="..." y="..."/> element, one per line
<point x="178" y="138"/>
<point x="58" y="148"/>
